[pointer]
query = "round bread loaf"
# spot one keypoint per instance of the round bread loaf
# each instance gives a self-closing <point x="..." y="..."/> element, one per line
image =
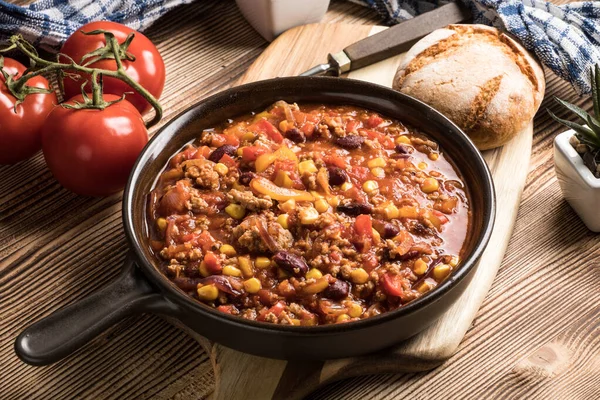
<point x="477" y="76"/>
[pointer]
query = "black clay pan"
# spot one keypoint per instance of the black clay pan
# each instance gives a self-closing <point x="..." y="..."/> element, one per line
<point x="142" y="288"/>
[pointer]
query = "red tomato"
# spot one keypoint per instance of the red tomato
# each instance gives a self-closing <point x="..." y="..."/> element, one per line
<point x="212" y="262"/>
<point x="91" y="152"/>
<point x="148" y="69"/>
<point x="268" y="129"/>
<point x="21" y="132"/>
<point x="251" y="153"/>
<point x="392" y="285"/>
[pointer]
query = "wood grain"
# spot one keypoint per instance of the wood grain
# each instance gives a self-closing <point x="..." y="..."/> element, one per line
<point x="56" y="247"/>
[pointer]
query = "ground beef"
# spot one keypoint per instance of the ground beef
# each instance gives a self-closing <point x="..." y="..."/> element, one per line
<point x="247" y="235"/>
<point x="202" y="173"/>
<point x="249" y="200"/>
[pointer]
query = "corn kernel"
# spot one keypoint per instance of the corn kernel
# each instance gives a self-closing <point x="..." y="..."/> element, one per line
<point x="249" y="136"/>
<point x="307" y="167"/>
<point x="426" y="285"/>
<point x="346" y="186"/>
<point x="402" y="140"/>
<point x="161" y="223"/>
<point x="316" y="287"/>
<point x="202" y="269"/>
<point x="370" y="187"/>
<point x="237" y="186"/>
<point x="230" y="270"/>
<point x="359" y="276"/>
<point x="376" y="162"/>
<point x="342" y="318"/>
<point x="288" y="205"/>
<point x="235" y="211"/>
<point x="441" y="271"/>
<point x="355" y="310"/>
<point x="282" y="179"/>
<point x="376" y="236"/>
<point x="262" y="262"/>
<point x="321" y="205"/>
<point x="422" y="165"/>
<point x="208" y="292"/>
<point x="454" y="261"/>
<point x="295" y="321"/>
<point x="240" y="151"/>
<point x="378" y="172"/>
<point x="420" y="267"/>
<point x="283" y="220"/>
<point x="252" y="285"/>
<point x="333" y="201"/>
<point x="408" y="212"/>
<point x="391" y="211"/>
<point x="285" y="125"/>
<point x="314" y="274"/>
<point x="228" y="250"/>
<point x="308" y="215"/>
<point x="433" y="156"/>
<point x="245" y="266"/>
<point x="221" y="169"/>
<point x="430" y="185"/>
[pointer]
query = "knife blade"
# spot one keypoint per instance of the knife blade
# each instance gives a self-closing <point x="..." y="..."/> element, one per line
<point x="390" y="42"/>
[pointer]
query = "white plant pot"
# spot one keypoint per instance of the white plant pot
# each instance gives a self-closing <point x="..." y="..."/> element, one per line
<point x="272" y="17"/>
<point x="579" y="186"/>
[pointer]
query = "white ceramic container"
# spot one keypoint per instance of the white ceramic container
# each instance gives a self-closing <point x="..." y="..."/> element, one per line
<point x="273" y="17"/>
<point x="579" y="186"/>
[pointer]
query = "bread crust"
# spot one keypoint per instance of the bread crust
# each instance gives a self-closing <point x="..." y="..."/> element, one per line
<point x="480" y="78"/>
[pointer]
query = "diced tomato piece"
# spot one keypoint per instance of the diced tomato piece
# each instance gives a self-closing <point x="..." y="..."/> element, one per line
<point x="276" y="309"/>
<point x="392" y="285"/>
<point x="359" y="173"/>
<point x="212" y="262"/>
<point x="336" y="161"/>
<point x="352" y="126"/>
<point x="364" y="225"/>
<point x="373" y="121"/>
<point x="205" y="241"/>
<point x="186" y="154"/>
<point x="268" y="129"/>
<point x="308" y="129"/>
<point x="370" y="262"/>
<point x="218" y="140"/>
<point x="232" y="140"/>
<point x="251" y="153"/>
<point x="203" y="151"/>
<point x="228" y="160"/>
<point x="405" y="241"/>
<point x="386" y="141"/>
<point x="227" y="309"/>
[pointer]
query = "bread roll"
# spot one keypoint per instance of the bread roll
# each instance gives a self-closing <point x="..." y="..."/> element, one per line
<point x="477" y="76"/>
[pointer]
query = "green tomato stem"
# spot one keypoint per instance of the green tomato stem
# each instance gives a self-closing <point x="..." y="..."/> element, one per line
<point x="51" y="66"/>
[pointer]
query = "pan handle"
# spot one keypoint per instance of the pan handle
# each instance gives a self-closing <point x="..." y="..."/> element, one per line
<point x="69" y="328"/>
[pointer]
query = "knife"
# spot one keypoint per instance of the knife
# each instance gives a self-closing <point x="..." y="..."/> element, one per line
<point x="390" y="42"/>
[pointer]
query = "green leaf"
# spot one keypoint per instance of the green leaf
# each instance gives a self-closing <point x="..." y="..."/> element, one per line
<point x="580" y="112"/>
<point x="595" y="125"/>
<point x="583" y="130"/>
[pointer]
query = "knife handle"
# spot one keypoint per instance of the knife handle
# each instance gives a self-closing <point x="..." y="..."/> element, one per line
<point x="400" y="38"/>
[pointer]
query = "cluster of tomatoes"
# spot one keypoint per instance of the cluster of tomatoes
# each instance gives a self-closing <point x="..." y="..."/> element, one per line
<point x="89" y="151"/>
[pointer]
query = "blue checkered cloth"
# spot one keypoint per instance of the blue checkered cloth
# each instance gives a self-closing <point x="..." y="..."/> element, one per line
<point x="48" y="23"/>
<point x="565" y="38"/>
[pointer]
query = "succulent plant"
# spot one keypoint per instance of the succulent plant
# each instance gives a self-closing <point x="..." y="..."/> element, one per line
<point x="587" y="134"/>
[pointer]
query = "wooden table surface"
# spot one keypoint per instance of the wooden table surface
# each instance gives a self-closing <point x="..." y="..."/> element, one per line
<point x="537" y="335"/>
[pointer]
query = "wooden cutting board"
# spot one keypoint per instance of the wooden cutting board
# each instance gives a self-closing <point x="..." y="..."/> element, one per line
<point x="243" y="376"/>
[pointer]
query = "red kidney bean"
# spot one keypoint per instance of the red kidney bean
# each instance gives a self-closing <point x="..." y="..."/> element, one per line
<point x="337" y="290"/>
<point x="337" y="176"/>
<point x="295" y="135"/>
<point x="354" y="209"/>
<point x="217" y="154"/>
<point x="291" y="262"/>
<point x="349" y="141"/>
